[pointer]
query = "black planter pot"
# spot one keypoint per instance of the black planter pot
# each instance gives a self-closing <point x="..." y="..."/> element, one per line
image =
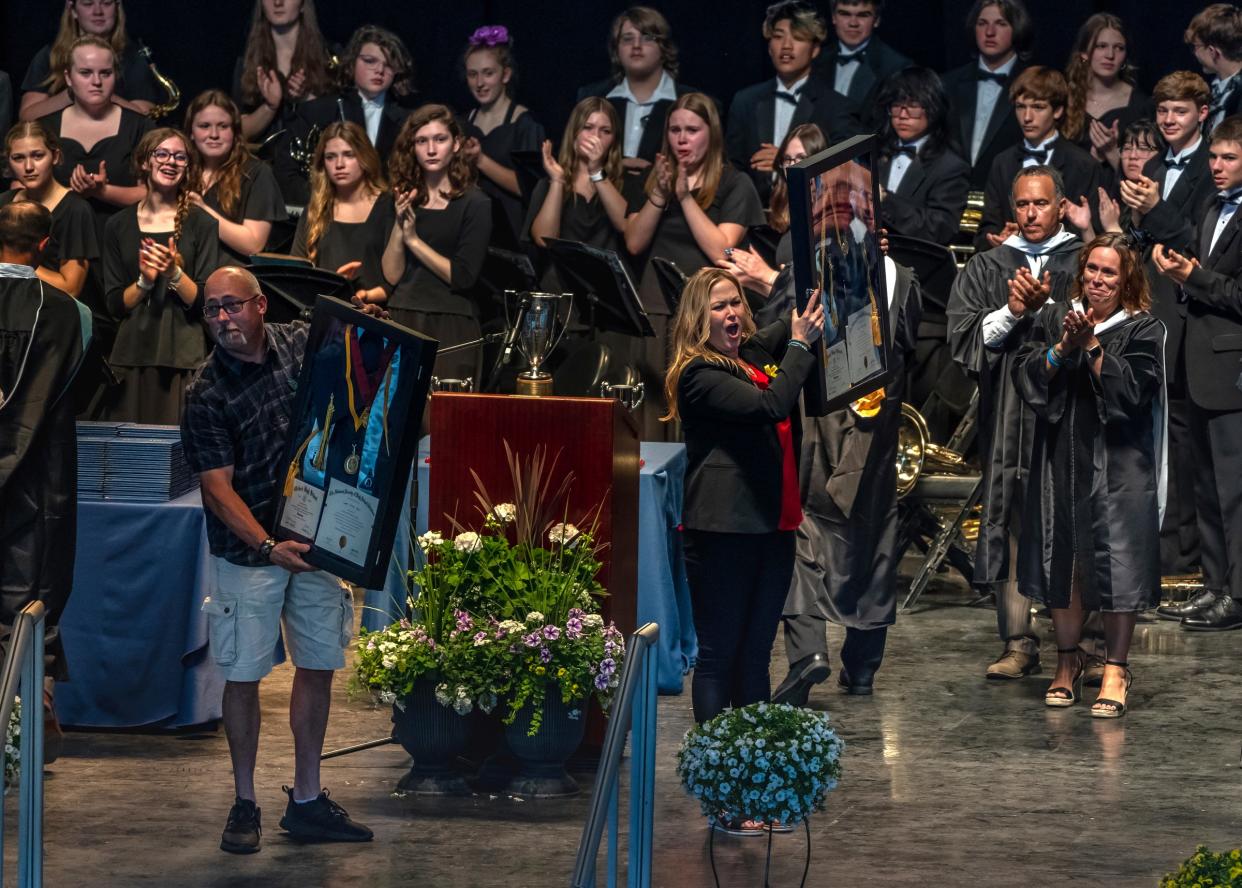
<point x="434" y="735"/>
<point x="541" y="758"/>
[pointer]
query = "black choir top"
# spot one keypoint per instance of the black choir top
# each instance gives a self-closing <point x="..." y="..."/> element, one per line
<point x="460" y="232"/>
<point x="363" y="242"/>
<point x="260" y="199"/>
<point x="116" y="152"/>
<point x="582" y="219"/>
<point x="514" y="134"/>
<point x="161" y="330"/>
<point x="134" y="80"/>
<point x="736" y="201"/>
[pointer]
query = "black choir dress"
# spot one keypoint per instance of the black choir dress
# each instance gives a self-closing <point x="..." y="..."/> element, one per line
<point x="736" y="201"/>
<point x="134" y="78"/>
<point x="1094" y="490"/>
<point x="260" y="200"/>
<point x="522" y="133"/>
<point x="161" y="340"/>
<point x="363" y="242"/>
<point x="117" y="152"/>
<point x="583" y="220"/>
<point x="1139" y="107"/>
<point x="448" y="312"/>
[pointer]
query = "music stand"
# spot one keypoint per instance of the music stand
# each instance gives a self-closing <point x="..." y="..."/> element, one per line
<point x="672" y="280"/>
<point x="602" y="278"/>
<point x="291" y="285"/>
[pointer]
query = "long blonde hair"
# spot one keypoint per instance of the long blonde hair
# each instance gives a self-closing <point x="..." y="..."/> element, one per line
<point x="568" y="158"/>
<point x="61" y="55"/>
<point x="322" y="195"/>
<point x="692" y="326"/>
<point x="713" y="160"/>
<point x="310" y="53"/>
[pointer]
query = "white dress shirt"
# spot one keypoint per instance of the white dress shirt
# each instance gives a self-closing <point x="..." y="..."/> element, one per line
<point x="373" y="112"/>
<point x="636" y="112"/>
<point x="987" y="92"/>
<point x="1172" y="174"/>
<point x="900" y="163"/>
<point x="1226" y="213"/>
<point x="845" y="73"/>
<point x="784" y="110"/>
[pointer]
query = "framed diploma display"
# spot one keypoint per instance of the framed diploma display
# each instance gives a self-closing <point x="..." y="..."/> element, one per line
<point x="361" y="396"/>
<point x="833" y="200"/>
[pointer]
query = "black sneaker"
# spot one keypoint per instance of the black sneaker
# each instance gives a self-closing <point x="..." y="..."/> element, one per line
<point x="322" y="820"/>
<point x="242" y="832"/>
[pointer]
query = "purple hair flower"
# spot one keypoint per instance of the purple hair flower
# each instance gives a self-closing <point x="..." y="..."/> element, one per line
<point x="490" y="35"/>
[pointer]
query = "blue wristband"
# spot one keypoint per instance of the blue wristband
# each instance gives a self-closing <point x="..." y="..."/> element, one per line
<point x="1052" y="357"/>
<point x="802" y="345"/>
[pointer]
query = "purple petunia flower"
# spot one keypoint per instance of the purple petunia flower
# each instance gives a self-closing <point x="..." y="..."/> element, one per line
<point x="601" y="682"/>
<point x="532" y="640"/>
<point x="551" y="633"/>
<point x="464" y="623"/>
<point x="607" y="666"/>
<point x="573" y="627"/>
<point x="545" y="655"/>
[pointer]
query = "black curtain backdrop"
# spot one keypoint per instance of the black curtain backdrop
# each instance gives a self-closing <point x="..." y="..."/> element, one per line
<point x="561" y="45"/>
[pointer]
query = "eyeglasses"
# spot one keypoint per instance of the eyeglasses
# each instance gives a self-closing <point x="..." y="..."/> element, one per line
<point x="163" y="155"/>
<point x="375" y="62"/>
<point x="631" y="38"/>
<point x="232" y="307"/>
<point x="1135" y="148"/>
<point x="790" y="160"/>
<point x="909" y="109"/>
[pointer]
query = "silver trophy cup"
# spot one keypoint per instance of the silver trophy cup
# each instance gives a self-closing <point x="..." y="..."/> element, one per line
<point x="630" y="396"/>
<point x="539" y="330"/>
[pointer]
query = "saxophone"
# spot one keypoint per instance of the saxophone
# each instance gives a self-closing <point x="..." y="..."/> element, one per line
<point x="170" y="88"/>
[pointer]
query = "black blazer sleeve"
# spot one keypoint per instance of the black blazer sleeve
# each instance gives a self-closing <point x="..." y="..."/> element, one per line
<point x="709" y="390"/>
<point x="934" y="211"/>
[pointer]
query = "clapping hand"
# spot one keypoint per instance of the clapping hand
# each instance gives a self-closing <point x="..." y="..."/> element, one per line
<point x="269" y="87"/>
<point x="592" y="150"/>
<point x="1010" y="229"/>
<point x="763" y="159"/>
<point x="155" y="259"/>
<point x="1027" y="293"/>
<point x="1078" y="330"/>
<point x="809" y="326"/>
<point x="295" y="86"/>
<point x="89" y="184"/>
<point x="405" y="203"/>
<point x="1103" y="138"/>
<point x="681" y="184"/>
<point x="1078" y="214"/>
<point x="1110" y="212"/>
<point x="1140" y="194"/>
<point x="748" y="267"/>
<point x="555" y="171"/>
<point x="1173" y="264"/>
<point x="664" y="177"/>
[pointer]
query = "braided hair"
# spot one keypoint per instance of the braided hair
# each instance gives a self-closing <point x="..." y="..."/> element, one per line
<point x="142" y="171"/>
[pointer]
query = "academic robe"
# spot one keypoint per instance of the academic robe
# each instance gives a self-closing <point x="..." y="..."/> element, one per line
<point x="1094" y="491"/>
<point x="38" y="451"/>
<point x="846" y="568"/>
<point x="1006" y="423"/>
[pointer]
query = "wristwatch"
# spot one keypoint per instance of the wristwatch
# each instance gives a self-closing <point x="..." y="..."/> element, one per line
<point x="1094" y="352"/>
<point x="597" y="176"/>
<point x="265" y="549"/>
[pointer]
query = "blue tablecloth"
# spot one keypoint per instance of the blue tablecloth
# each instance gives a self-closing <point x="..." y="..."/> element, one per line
<point x="134" y="633"/>
<point x="663" y="593"/>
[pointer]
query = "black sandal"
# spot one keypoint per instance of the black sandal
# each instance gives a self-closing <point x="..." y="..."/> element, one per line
<point x="1118" y="706"/>
<point x="1060" y="696"/>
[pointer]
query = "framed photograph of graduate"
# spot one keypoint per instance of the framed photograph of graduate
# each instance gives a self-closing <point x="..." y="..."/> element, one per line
<point x="352" y="440"/>
<point x="833" y="204"/>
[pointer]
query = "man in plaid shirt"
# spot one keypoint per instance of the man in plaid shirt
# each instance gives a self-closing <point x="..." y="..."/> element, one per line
<point x="237" y="415"/>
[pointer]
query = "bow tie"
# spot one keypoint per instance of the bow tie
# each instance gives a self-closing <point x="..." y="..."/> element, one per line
<point x="912" y="150"/>
<point x="1229" y="198"/>
<point x="790" y="97"/>
<point x="1039" y="154"/>
<point x="1174" y="164"/>
<point x="994" y="76"/>
<point x="845" y="58"/>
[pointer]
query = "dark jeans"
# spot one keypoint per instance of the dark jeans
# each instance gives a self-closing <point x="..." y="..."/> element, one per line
<point x="738" y="585"/>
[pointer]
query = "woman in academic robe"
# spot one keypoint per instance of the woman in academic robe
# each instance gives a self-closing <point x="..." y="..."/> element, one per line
<point x="157" y="256"/>
<point x="230" y="184"/>
<point x="1090" y="538"/>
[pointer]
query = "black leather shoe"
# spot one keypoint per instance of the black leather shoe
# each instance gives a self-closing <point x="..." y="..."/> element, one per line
<point x="796" y="688"/>
<point x="860" y="686"/>
<point x="1187" y="608"/>
<point x="1224" y="613"/>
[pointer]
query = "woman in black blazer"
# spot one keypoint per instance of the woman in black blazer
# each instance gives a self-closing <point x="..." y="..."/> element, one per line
<point x="735" y="390"/>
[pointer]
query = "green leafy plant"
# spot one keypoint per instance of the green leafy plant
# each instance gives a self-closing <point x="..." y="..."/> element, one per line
<point x="765" y="761"/>
<point x="1207" y="869"/>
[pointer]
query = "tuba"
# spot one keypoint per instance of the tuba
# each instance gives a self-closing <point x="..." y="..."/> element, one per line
<point x="916" y="453"/>
<point x="170" y="88"/>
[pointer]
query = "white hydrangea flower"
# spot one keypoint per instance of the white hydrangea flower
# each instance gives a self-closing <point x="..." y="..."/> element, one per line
<point x="562" y="534"/>
<point x="468" y="542"/>
<point x="430" y="539"/>
<point x="387" y="697"/>
<point x="509" y="627"/>
<point x="505" y="513"/>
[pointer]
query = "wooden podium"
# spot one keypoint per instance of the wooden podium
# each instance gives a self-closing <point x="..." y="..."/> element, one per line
<point x="596" y="439"/>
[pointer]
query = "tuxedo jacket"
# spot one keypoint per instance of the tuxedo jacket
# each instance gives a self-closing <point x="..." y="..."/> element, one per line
<point x="1175" y="222"/>
<point x="653" y="130"/>
<point x="752" y="117"/>
<point x="733" y="450"/>
<point x="1082" y="174"/>
<point x="878" y="62"/>
<point x="929" y="201"/>
<point x="1213" y="302"/>
<point x="1002" y="131"/>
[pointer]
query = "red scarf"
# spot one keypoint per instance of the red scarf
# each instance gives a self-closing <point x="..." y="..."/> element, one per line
<point x="791" y="499"/>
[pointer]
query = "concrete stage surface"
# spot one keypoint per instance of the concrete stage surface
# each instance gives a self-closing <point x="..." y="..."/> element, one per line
<point x="949" y="780"/>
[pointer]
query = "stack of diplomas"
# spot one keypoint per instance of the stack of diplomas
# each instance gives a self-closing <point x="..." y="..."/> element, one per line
<point x="127" y="462"/>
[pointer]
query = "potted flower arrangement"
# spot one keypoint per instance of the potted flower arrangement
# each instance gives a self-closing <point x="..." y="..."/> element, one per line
<point x="507" y="611"/>
<point x="1222" y="869"/>
<point x="766" y="762"/>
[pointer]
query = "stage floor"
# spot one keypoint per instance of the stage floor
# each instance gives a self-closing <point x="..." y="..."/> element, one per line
<point x="949" y="780"/>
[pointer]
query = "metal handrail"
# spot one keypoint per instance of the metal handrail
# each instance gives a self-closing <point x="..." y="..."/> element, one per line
<point x="635" y="706"/>
<point x="23" y="675"/>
